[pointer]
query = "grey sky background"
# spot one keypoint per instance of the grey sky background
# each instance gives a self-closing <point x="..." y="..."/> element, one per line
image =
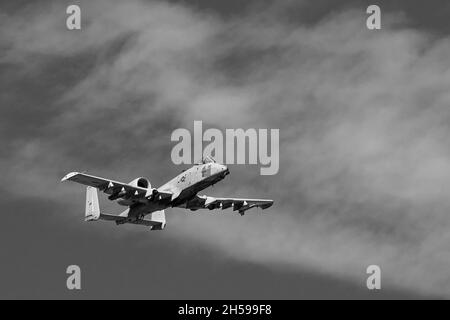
<point x="364" y="161"/>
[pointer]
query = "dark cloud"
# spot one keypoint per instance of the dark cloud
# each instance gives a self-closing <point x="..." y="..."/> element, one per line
<point x="122" y="266"/>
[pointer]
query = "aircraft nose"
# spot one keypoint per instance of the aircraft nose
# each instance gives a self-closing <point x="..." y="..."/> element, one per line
<point x="226" y="170"/>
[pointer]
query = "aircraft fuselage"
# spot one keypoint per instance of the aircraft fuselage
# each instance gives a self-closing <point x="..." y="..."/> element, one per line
<point x="184" y="187"/>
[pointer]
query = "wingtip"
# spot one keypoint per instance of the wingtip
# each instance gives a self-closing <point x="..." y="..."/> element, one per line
<point x="68" y="176"/>
<point x="268" y="205"/>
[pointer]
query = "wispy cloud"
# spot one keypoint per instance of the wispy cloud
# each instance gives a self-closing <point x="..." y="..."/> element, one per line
<point x="363" y="120"/>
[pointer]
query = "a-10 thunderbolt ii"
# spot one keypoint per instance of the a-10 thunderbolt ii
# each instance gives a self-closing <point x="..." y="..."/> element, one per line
<point x="146" y="204"/>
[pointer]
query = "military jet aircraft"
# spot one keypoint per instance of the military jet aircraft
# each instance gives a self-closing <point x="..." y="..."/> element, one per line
<point x="146" y="204"/>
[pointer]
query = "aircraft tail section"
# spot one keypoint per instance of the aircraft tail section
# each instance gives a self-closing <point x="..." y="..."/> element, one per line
<point x="158" y="220"/>
<point x="92" y="206"/>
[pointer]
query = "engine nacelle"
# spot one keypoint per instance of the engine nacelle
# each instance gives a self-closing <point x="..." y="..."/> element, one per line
<point x="141" y="183"/>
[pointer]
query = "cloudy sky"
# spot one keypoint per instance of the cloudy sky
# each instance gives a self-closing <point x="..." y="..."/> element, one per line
<point x="364" y="146"/>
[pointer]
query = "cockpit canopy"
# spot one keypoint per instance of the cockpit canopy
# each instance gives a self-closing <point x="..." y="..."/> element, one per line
<point x="207" y="159"/>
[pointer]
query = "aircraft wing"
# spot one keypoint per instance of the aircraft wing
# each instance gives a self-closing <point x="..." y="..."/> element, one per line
<point x="116" y="189"/>
<point x="241" y="205"/>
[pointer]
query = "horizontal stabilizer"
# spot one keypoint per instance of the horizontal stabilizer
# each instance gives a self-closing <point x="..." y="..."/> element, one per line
<point x="156" y="222"/>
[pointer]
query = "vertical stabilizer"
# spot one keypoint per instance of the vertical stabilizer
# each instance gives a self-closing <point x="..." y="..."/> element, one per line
<point x="160" y="218"/>
<point x="92" y="206"/>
